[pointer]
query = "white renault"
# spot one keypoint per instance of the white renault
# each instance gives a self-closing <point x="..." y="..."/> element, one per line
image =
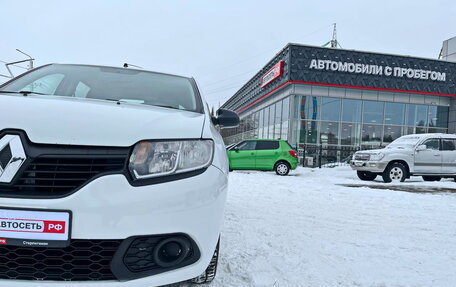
<point x="432" y="156"/>
<point x="109" y="177"/>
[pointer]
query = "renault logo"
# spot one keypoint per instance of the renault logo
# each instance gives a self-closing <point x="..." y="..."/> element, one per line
<point x="12" y="156"/>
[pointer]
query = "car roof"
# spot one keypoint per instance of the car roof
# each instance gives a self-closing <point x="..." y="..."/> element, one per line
<point x="430" y="135"/>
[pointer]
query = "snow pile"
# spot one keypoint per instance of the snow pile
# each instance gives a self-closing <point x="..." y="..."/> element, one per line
<point x="306" y="230"/>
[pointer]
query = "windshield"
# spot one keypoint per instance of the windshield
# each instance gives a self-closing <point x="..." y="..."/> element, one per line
<point x="106" y="83"/>
<point x="405" y="141"/>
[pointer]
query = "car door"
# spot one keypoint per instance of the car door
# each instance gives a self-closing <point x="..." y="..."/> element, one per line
<point x="267" y="154"/>
<point x="242" y="156"/>
<point x="429" y="160"/>
<point x="448" y="156"/>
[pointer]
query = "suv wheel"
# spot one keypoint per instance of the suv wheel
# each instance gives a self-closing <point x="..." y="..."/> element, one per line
<point x="395" y="172"/>
<point x="282" y="168"/>
<point x="366" y="175"/>
<point x="432" y="178"/>
<point x="209" y="275"/>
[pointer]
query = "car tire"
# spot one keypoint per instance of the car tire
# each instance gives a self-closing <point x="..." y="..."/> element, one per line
<point x="282" y="168"/>
<point x="211" y="271"/>
<point x="366" y="175"/>
<point x="396" y="172"/>
<point x="432" y="178"/>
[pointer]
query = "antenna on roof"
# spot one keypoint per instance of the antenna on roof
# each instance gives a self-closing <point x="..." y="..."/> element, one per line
<point x="29" y="60"/>
<point x="334" y="43"/>
<point x="126" y="65"/>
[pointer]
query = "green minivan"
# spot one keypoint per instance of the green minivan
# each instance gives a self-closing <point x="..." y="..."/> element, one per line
<point x="262" y="154"/>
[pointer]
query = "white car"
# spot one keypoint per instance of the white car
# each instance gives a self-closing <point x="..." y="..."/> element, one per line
<point x="109" y="177"/>
<point x="432" y="156"/>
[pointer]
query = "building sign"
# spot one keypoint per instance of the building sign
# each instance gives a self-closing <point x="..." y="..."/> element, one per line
<point x="272" y="74"/>
<point x="369" y="69"/>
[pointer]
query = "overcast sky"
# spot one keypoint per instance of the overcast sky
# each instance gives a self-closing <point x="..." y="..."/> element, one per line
<point x="220" y="43"/>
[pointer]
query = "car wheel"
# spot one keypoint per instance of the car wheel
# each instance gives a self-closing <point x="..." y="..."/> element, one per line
<point x="366" y="175"/>
<point x="282" y="168"/>
<point x="432" y="178"/>
<point x="395" y="172"/>
<point x="209" y="275"/>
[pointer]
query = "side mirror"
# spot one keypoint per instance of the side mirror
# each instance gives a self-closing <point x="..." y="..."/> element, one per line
<point x="226" y="118"/>
<point x="421" y="147"/>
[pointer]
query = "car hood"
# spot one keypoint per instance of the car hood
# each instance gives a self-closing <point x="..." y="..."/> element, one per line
<point x="72" y="121"/>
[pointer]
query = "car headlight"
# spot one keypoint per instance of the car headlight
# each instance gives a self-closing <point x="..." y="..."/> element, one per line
<point x="376" y="156"/>
<point x="160" y="158"/>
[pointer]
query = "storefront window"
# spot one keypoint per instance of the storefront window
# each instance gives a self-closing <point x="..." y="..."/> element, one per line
<point x="394" y="113"/>
<point x="271" y="121"/>
<point x="329" y="133"/>
<point x="391" y="133"/>
<point x="372" y="134"/>
<point x="309" y="107"/>
<point x="351" y="110"/>
<point x="286" y="109"/>
<point x="373" y="112"/>
<point x="330" y="109"/>
<point x="349" y="134"/>
<point x="266" y="123"/>
<point x="278" y="119"/>
<point x="417" y="115"/>
<point x="442" y="117"/>
<point x="308" y="132"/>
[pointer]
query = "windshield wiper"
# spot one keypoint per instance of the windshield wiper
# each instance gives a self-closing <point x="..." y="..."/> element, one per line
<point x="24" y="93"/>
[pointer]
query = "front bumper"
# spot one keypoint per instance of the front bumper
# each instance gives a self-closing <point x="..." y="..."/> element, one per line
<point x="371" y="166"/>
<point x="110" y="208"/>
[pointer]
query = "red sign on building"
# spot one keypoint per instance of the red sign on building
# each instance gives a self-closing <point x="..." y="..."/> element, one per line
<point x="272" y="74"/>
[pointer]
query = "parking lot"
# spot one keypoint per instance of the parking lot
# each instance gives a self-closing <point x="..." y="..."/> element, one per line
<point x="308" y="229"/>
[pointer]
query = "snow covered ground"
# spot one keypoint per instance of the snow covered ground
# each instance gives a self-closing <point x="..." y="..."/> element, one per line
<point x="307" y="230"/>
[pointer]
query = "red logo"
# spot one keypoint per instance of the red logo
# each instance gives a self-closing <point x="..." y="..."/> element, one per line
<point x="2" y="241"/>
<point x="272" y="74"/>
<point x="54" y="227"/>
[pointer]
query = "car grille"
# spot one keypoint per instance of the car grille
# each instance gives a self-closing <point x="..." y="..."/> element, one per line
<point x="83" y="260"/>
<point x="362" y="156"/>
<point x="55" y="176"/>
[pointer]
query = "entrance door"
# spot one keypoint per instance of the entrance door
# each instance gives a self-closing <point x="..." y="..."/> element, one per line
<point x="430" y="159"/>
<point x="449" y="156"/>
<point x="242" y="156"/>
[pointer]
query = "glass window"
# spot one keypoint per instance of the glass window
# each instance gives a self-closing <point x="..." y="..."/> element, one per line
<point x="350" y="134"/>
<point x="330" y="109"/>
<point x="138" y="86"/>
<point x="437" y="117"/>
<point x="247" y="145"/>
<point x="47" y="84"/>
<point x="391" y="133"/>
<point x="351" y="110"/>
<point x="309" y="107"/>
<point x="286" y="109"/>
<point x="267" y="145"/>
<point x="308" y="132"/>
<point x="432" y="144"/>
<point x="81" y="90"/>
<point x="394" y="113"/>
<point x="417" y="115"/>
<point x="284" y="135"/>
<point x="266" y="123"/>
<point x="448" y="144"/>
<point x="278" y="119"/>
<point x="373" y="112"/>
<point x="260" y="124"/>
<point x="271" y="121"/>
<point x="372" y="134"/>
<point x="329" y="133"/>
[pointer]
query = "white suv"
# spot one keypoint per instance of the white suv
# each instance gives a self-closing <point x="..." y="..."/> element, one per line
<point x="432" y="156"/>
<point x="109" y="177"/>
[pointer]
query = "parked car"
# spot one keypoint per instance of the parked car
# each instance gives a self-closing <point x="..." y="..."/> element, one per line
<point x="263" y="154"/>
<point x="432" y="156"/>
<point x="110" y="175"/>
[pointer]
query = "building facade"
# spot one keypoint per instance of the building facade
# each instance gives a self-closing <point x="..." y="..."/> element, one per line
<point x="329" y="103"/>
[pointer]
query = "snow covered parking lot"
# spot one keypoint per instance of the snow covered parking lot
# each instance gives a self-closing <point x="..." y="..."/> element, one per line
<point x="308" y="230"/>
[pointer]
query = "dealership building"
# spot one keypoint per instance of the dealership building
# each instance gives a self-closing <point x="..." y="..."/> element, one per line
<point x="330" y="102"/>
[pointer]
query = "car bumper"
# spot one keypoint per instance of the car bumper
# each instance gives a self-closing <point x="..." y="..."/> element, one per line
<point x="110" y="208"/>
<point x="371" y="166"/>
